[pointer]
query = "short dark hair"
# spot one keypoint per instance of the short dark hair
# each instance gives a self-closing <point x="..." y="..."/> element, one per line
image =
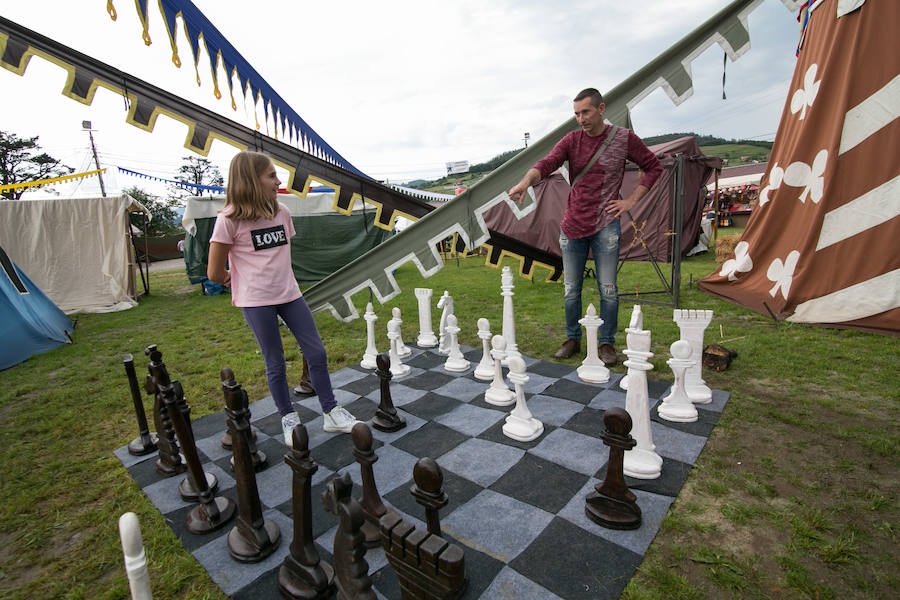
<point x="593" y="94"/>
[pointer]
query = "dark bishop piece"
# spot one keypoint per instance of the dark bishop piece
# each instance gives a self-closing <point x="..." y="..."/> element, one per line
<point x="427" y="566"/>
<point x="612" y="504"/>
<point x="351" y="571"/>
<point x="386" y="417"/>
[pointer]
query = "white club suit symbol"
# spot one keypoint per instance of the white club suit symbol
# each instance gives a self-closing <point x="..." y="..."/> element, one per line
<point x="783" y="273"/>
<point x="741" y="263"/>
<point x="805" y="96"/>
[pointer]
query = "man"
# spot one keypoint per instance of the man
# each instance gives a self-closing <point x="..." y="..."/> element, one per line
<point x="591" y="220"/>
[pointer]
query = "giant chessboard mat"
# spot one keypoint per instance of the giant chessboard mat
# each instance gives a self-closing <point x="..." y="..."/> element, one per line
<point x="516" y="509"/>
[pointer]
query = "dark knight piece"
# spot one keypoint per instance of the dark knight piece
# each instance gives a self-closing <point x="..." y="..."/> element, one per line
<point x="351" y="571"/>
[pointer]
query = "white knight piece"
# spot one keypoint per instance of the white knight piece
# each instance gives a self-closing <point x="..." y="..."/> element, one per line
<point x="403" y="351"/>
<point x="446" y="304"/>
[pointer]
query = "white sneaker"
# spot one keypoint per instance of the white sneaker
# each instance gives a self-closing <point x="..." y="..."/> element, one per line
<point x="339" y="419"/>
<point x="288" y="422"/>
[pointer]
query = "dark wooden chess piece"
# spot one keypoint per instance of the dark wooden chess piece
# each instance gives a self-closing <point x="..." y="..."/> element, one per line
<point x="351" y="571"/>
<point x="145" y="443"/>
<point x="371" y="502"/>
<point x="305" y="388"/>
<point x="386" y="417"/>
<point x="235" y="395"/>
<point x="254" y="537"/>
<point x="427" y="566"/>
<point x="303" y="574"/>
<point x="168" y="462"/>
<point x="612" y="504"/>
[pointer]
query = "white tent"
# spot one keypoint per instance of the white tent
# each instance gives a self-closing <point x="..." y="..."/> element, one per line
<point x="78" y="250"/>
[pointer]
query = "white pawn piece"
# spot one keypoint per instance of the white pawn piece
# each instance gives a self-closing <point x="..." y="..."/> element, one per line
<point x="592" y="368"/>
<point x="509" y="322"/>
<point x="637" y="322"/>
<point x="692" y="324"/>
<point x="642" y="461"/>
<point x="520" y="424"/>
<point x="135" y="560"/>
<point x="368" y="359"/>
<point x="498" y="393"/>
<point x="403" y="350"/>
<point x="426" y="337"/>
<point x="446" y="303"/>
<point x="456" y="362"/>
<point x="398" y="369"/>
<point x="677" y="406"/>
<point x="485" y="368"/>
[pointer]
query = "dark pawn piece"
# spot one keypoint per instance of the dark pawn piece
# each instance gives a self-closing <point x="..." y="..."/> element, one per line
<point x="427" y="491"/>
<point x="254" y="537"/>
<point x="612" y="504"/>
<point x="145" y="443"/>
<point x="305" y="388"/>
<point x="168" y="462"/>
<point x="303" y="574"/>
<point x="386" y="417"/>
<point x="371" y="502"/>
<point x="235" y="395"/>
<point x="351" y="571"/>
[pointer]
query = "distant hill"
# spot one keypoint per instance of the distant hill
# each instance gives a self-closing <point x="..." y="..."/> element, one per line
<point x="705" y="140"/>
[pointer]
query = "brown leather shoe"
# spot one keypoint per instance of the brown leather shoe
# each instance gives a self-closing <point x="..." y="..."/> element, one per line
<point x="608" y="354"/>
<point x="569" y="347"/>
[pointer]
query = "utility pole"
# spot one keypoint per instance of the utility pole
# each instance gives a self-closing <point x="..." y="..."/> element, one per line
<point x="526" y="138"/>
<point x="87" y="125"/>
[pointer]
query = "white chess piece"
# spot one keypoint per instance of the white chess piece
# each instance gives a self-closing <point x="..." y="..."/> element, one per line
<point x="692" y="324"/>
<point x="520" y="424"/>
<point x="426" y="337"/>
<point x="592" y="368"/>
<point x="135" y="559"/>
<point x="398" y="369"/>
<point x="637" y="322"/>
<point x="498" y="393"/>
<point x="509" y="322"/>
<point x="677" y="406"/>
<point x="446" y="303"/>
<point x="368" y="359"/>
<point x="403" y="351"/>
<point x="642" y="461"/>
<point x="485" y="368"/>
<point x="456" y="362"/>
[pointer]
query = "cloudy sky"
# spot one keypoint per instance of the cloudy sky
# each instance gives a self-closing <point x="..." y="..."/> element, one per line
<point x="398" y="88"/>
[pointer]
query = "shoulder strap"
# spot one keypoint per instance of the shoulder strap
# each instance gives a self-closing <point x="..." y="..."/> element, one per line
<point x="609" y="138"/>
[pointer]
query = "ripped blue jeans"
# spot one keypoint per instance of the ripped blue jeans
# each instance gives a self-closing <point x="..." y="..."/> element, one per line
<point x="605" y="247"/>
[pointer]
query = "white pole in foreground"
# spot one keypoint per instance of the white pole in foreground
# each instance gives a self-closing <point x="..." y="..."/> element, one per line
<point x="135" y="561"/>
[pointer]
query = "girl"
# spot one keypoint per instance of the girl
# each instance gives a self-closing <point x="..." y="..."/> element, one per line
<point x="253" y="232"/>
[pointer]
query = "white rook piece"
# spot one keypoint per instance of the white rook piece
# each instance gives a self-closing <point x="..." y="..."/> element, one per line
<point x="135" y="560"/>
<point x="446" y="303"/>
<point x="677" y="406"/>
<point x="642" y="461"/>
<point x="498" y="393"/>
<point x="398" y="369"/>
<point x="426" y="337"/>
<point x="692" y="324"/>
<point x="509" y="321"/>
<point x="368" y="359"/>
<point x="520" y="424"/>
<point x="485" y="368"/>
<point x="637" y="322"/>
<point x="402" y="349"/>
<point x="456" y="362"/>
<point x="592" y="368"/>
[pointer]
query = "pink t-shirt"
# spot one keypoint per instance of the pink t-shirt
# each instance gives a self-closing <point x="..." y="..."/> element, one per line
<point x="259" y="258"/>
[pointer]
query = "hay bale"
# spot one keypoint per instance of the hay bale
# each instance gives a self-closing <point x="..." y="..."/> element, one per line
<point x="725" y="246"/>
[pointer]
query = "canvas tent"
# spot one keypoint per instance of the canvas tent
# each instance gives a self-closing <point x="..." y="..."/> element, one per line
<point x="821" y="246"/>
<point x="325" y="240"/>
<point x="77" y="250"/>
<point x="29" y="322"/>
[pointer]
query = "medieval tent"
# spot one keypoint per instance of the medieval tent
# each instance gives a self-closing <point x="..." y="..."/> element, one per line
<point x="29" y="322"/>
<point x="77" y="250"/>
<point x="821" y="246"/>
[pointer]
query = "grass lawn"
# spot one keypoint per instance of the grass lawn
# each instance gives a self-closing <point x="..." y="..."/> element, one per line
<point x="794" y="496"/>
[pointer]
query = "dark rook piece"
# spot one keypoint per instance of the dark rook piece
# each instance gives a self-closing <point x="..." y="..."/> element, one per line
<point x="386" y="417"/>
<point x="427" y="491"/>
<point x="145" y="443"/>
<point x="236" y="395"/>
<point x="351" y="571"/>
<point x="253" y="538"/>
<point x="612" y="504"/>
<point x="303" y="574"/>
<point x="168" y="462"/>
<point x="371" y="502"/>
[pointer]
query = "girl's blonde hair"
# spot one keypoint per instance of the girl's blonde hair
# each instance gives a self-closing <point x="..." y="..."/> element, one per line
<point x="245" y="198"/>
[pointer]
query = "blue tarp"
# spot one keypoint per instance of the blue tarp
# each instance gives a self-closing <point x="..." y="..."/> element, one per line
<point x="30" y="323"/>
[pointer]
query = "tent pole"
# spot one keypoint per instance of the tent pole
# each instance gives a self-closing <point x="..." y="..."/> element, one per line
<point x="715" y="227"/>
<point x="679" y="224"/>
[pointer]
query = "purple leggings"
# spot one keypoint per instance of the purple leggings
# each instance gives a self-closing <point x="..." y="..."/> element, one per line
<point x="263" y="322"/>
